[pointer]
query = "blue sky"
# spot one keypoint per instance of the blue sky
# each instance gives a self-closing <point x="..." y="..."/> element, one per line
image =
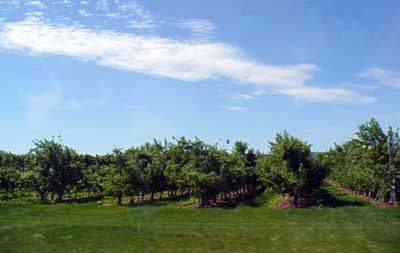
<point x="118" y="73"/>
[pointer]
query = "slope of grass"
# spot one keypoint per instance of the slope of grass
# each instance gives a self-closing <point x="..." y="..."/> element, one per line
<point x="344" y="224"/>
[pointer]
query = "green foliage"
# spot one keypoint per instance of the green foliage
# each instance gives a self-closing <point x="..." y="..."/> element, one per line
<point x="55" y="167"/>
<point x="181" y="168"/>
<point x="289" y="168"/>
<point x="369" y="163"/>
<point x="10" y="174"/>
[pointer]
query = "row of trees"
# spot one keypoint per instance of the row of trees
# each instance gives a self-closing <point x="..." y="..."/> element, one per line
<point x="368" y="163"/>
<point x="178" y="168"/>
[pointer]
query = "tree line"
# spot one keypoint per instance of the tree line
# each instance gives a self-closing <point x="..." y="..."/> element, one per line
<point x="369" y="163"/>
<point x="181" y="167"/>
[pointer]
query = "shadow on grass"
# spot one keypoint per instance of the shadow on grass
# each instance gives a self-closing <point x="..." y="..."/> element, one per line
<point x="260" y="200"/>
<point x="328" y="196"/>
<point x="254" y="199"/>
<point x="81" y="200"/>
<point x="158" y="202"/>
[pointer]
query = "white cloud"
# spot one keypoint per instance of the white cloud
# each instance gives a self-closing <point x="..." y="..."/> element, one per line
<point x="114" y="15"/>
<point x="244" y="96"/>
<point x="141" y="24"/>
<point x="84" y="2"/>
<point x="102" y="5"/>
<point x="360" y="87"/>
<point x="182" y="60"/>
<point x="322" y="95"/>
<point x="233" y="108"/>
<point x="38" y="106"/>
<point x="143" y="18"/>
<point x="84" y="13"/>
<point x="88" y="102"/>
<point x="36" y="3"/>
<point x="382" y="76"/>
<point x="65" y="2"/>
<point x="198" y="27"/>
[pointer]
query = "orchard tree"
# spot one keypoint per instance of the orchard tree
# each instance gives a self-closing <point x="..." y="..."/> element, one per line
<point x="57" y="164"/>
<point x="115" y="181"/>
<point x="290" y="167"/>
<point x="35" y="177"/>
<point x="382" y="149"/>
<point x="208" y="187"/>
<point x="10" y="174"/>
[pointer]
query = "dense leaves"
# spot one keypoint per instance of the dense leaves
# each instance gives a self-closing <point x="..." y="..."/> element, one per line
<point x="369" y="163"/>
<point x="289" y="168"/>
<point x="172" y="169"/>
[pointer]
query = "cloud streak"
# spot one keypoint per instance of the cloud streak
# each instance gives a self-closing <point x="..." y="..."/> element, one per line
<point x="198" y="27"/>
<point x="38" y="106"/>
<point x="244" y="96"/>
<point x="176" y="59"/>
<point x="233" y="108"/>
<point x="382" y="76"/>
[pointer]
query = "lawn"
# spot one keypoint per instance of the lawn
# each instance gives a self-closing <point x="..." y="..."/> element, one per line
<point x="342" y="223"/>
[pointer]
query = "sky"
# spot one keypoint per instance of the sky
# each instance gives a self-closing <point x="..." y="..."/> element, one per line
<point x="106" y="74"/>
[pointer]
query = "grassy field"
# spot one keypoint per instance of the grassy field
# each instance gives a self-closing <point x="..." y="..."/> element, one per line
<point x="343" y="223"/>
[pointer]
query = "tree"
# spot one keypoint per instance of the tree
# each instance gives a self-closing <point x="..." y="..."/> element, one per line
<point x="57" y="164"/>
<point x="290" y="168"/>
<point x="208" y="187"/>
<point x="35" y="177"/>
<point x="382" y="151"/>
<point x="10" y="174"/>
<point x="115" y="182"/>
<point x="369" y="163"/>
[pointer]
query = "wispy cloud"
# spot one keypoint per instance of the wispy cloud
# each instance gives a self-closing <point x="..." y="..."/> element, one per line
<point x="359" y="86"/>
<point x="141" y="24"/>
<point x="88" y="102"/>
<point x="382" y="76"/>
<point x="315" y="94"/>
<point x="198" y="27"/>
<point x="38" y="106"/>
<point x="65" y="2"/>
<point x="182" y="60"/>
<point x="36" y="3"/>
<point x="102" y="5"/>
<point x="154" y="55"/>
<point x="84" y="13"/>
<point x="142" y="17"/>
<point x="243" y="96"/>
<point x="233" y="108"/>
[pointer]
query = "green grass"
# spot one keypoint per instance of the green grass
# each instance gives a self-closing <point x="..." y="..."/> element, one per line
<point x="345" y="224"/>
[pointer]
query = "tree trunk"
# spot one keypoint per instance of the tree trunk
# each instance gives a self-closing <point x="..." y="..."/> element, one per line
<point x="203" y="201"/>
<point x="60" y="197"/>
<point x="152" y="196"/>
<point x="393" y="192"/>
<point x="119" y="199"/>
<point x="42" y="195"/>
<point x="131" y="201"/>
<point x="295" y="200"/>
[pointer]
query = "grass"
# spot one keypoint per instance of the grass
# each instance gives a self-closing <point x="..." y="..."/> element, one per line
<point x="344" y="223"/>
